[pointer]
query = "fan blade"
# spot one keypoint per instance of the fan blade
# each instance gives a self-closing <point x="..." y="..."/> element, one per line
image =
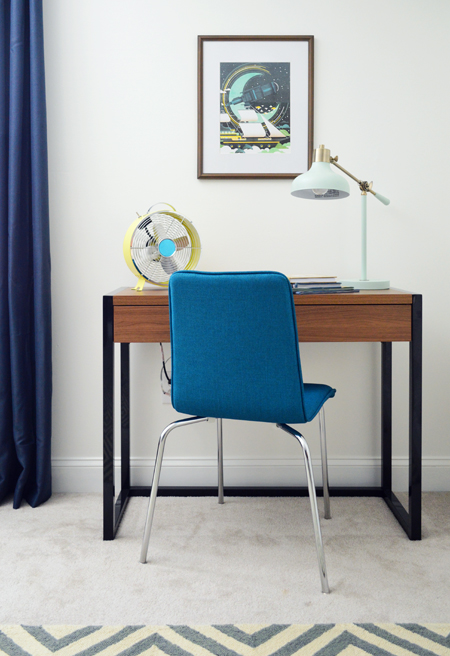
<point x="152" y="250"/>
<point x="160" y="231"/>
<point x="182" y="242"/>
<point x="144" y="253"/>
<point x="169" y="264"/>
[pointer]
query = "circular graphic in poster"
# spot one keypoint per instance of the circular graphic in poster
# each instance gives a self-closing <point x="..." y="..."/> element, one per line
<point x="254" y="108"/>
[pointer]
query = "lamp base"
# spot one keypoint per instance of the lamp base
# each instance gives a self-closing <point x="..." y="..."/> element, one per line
<point x="366" y="284"/>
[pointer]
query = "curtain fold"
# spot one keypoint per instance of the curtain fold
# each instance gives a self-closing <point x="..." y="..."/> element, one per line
<point x="25" y="303"/>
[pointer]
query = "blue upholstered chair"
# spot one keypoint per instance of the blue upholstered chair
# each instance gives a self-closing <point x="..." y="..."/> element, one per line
<point x="235" y="355"/>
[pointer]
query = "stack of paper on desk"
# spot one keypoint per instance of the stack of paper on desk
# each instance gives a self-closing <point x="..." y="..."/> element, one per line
<point x="317" y="285"/>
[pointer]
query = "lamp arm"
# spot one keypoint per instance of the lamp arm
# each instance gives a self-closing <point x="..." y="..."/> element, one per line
<point x="334" y="161"/>
<point x="363" y="185"/>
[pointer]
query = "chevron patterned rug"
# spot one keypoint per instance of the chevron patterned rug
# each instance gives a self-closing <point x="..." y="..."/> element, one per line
<point x="227" y="640"/>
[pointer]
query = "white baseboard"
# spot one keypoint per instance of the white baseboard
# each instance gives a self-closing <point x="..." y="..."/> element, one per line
<point x="83" y="475"/>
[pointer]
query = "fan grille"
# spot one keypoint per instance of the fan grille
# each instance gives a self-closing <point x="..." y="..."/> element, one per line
<point x="163" y="243"/>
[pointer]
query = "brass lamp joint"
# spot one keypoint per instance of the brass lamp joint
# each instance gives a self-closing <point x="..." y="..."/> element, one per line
<point x="365" y="187"/>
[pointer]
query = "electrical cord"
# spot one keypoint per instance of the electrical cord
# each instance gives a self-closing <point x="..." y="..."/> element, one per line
<point x="164" y="371"/>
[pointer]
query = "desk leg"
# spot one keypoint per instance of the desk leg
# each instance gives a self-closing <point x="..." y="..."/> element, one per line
<point x="124" y="494"/>
<point x="125" y="415"/>
<point x="108" y="419"/>
<point x="386" y="418"/>
<point x="410" y="520"/>
<point x="415" y="420"/>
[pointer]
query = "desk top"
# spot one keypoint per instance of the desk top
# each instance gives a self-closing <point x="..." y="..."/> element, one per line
<point x="153" y="296"/>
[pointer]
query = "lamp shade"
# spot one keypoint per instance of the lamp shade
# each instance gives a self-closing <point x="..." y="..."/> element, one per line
<point x="320" y="183"/>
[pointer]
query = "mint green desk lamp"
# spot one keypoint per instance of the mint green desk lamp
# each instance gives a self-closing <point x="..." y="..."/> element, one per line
<point x="322" y="183"/>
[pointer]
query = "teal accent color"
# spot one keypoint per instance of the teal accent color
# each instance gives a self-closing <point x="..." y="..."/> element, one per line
<point x="167" y="247"/>
<point x="237" y="87"/>
<point x="382" y="199"/>
<point x="367" y="284"/>
<point x="235" y="352"/>
<point x="363" y="236"/>
<point x="320" y="177"/>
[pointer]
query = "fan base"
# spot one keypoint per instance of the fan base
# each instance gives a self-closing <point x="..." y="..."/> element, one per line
<point x="140" y="284"/>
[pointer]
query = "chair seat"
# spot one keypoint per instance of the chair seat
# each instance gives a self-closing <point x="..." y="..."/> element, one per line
<point x="315" y="396"/>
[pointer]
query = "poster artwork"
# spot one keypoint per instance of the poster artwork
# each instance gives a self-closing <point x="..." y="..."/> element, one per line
<point x="254" y="108"/>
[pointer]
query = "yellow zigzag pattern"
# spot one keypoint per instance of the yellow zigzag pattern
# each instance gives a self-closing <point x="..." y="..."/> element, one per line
<point x="227" y="640"/>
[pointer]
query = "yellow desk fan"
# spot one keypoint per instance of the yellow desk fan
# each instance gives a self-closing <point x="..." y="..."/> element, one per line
<point x="159" y="243"/>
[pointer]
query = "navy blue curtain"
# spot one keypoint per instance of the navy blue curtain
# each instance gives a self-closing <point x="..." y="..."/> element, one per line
<point x="25" y="311"/>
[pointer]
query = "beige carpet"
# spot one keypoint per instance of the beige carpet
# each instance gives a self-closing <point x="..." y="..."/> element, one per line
<point x="250" y="561"/>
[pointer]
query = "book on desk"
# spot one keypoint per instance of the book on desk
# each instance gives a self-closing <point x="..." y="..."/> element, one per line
<point x="318" y="285"/>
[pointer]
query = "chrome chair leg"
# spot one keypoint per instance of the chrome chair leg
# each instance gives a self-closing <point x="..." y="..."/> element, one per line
<point x="323" y="451"/>
<point x="156" y="476"/>
<point x="220" y="459"/>
<point x="313" y="502"/>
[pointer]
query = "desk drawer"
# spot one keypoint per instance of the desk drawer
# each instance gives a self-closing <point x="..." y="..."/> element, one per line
<point x="316" y="323"/>
<point x="141" y="324"/>
<point x="354" y="323"/>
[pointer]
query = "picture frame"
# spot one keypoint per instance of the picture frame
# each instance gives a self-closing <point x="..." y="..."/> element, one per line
<point x="261" y="126"/>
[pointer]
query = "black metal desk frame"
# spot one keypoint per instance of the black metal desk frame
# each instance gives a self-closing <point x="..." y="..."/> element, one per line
<point x="410" y="519"/>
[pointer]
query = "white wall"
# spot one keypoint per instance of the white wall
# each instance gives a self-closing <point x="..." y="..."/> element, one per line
<point x="122" y="112"/>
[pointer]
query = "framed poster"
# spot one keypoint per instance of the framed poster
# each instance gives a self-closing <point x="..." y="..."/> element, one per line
<point x="255" y="106"/>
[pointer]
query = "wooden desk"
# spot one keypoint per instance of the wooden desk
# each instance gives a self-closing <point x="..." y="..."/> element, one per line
<point x="384" y="316"/>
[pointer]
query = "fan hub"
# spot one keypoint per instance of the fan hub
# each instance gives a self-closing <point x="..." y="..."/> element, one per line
<point x="167" y="247"/>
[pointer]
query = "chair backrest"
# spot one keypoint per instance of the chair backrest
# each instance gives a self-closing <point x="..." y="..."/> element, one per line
<point x="235" y="346"/>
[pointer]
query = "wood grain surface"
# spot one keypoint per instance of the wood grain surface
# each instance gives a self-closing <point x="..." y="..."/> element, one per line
<point x="381" y="316"/>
